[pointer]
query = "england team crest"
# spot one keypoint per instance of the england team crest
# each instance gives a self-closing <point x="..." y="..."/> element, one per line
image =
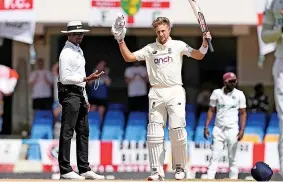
<point x="131" y="7"/>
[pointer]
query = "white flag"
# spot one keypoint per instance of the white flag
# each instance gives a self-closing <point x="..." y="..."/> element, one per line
<point x="18" y="31"/>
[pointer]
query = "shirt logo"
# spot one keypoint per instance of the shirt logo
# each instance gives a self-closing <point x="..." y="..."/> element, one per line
<point x="164" y="60"/>
<point x="154" y="52"/>
<point x="169" y="50"/>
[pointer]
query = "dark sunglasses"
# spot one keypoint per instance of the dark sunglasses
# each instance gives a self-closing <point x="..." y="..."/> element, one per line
<point x="232" y="81"/>
<point x="78" y="33"/>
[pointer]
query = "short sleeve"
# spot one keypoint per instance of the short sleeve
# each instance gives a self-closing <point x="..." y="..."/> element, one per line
<point x="213" y="99"/>
<point x="185" y="49"/>
<point x="141" y="54"/>
<point x="242" y="103"/>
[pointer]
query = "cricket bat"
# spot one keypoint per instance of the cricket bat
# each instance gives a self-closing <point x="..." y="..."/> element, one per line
<point x="201" y="21"/>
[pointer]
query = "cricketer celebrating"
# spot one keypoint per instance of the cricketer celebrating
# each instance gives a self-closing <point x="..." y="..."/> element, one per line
<point x="164" y="63"/>
<point x="227" y="102"/>
<point x="272" y="29"/>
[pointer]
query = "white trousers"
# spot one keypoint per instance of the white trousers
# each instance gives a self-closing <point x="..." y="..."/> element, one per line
<point x="222" y="135"/>
<point x="162" y="102"/>
<point x="277" y="72"/>
<point x="167" y="101"/>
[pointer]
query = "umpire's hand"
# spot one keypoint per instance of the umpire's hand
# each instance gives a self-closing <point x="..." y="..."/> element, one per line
<point x="93" y="76"/>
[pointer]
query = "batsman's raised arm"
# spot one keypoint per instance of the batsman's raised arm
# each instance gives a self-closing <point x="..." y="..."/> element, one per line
<point x="119" y="31"/>
<point x="197" y="54"/>
<point x="271" y="29"/>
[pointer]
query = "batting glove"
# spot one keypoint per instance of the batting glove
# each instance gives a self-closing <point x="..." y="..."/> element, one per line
<point x="118" y="28"/>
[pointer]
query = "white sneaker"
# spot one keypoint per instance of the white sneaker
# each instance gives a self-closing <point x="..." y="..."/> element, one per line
<point x="72" y="175"/>
<point x="180" y="174"/>
<point x="155" y="177"/>
<point x="92" y="175"/>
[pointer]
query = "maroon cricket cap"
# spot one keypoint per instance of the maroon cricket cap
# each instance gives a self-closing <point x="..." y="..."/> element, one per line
<point x="229" y="76"/>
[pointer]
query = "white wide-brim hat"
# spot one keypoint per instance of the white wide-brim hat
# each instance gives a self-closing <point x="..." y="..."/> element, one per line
<point x="74" y="26"/>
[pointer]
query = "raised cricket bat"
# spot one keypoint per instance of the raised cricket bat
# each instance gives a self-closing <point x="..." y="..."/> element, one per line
<point x="201" y="21"/>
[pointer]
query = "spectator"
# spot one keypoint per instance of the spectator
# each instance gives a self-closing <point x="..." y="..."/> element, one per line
<point x="98" y="99"/>
<point x="55" y="72"/>
<point x="203" y="99"/>
<point x="136" y="79"/>
<point x="259" y="101"/>
<point x="41" y="81"/>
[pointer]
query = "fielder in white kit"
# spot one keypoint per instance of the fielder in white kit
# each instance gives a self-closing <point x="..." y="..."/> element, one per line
<point x="226" y="102"/>
<point x="164" y="63"/>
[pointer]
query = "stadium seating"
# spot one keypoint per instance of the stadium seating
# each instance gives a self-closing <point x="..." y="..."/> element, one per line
<point x="112" y="132"/>
<point x="138" y="118"/>
<point x="115" y="118"/>
<point x="136" y="126"/>
<point x="190" y="119"/>
<point x="116" y="106"/>
<point x="115" y="126"/>
<point x="190" y="107"/>
<point x="136" y="133"/>
<point x="198" y="137"/>
<point x="253" y="134"/>
<point x="41" y="131"/>
<point x="202" y="119"/>
<point x="256" y="119"/>
<point x="42" y="125"/>
<point x="33" y="152"/>
<point x="274" y="121"/>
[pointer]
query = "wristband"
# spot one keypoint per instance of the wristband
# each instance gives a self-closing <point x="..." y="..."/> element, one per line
<point x="203" y="50"/>
<point x="120" y="41"/>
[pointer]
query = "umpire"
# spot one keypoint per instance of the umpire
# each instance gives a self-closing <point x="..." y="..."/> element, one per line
<point x="75" y="106"/>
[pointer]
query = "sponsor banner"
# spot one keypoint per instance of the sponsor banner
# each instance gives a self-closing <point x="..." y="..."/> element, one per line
<point x="200" y="155"/>
<point x="132" y="153"/>
<point x="17" y="10"/>
<point x="9" y="151"/>
<point x="50" y="148"/>
<point x="138" y="13"/>
<point x="17" y="20"/>
<point x="271" y="156"/>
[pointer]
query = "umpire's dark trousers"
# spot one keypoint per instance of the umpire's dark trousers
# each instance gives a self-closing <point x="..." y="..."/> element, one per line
<point x="74" y="117"/>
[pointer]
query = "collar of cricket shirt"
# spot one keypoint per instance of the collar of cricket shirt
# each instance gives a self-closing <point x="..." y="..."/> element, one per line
<point x="76" y="47"/>
<point x="229" y="93"/>
<point x="163" y="46"/>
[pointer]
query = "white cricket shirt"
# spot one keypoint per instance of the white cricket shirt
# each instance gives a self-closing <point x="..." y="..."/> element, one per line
<point x="138" y="86"/>
<point x="227" y="106"/>
<point x="164" y="62"/>
<point x="72" y="66"/>
<point x="41" y="89"/>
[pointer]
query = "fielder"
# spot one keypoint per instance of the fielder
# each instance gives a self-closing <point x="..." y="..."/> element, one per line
<point x="272" y="29"/>
<point x="164" y="63"/>
<point x="226" y="102"/>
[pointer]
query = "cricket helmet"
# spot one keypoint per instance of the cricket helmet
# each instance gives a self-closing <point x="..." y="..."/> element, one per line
<point x="261" y="171"/>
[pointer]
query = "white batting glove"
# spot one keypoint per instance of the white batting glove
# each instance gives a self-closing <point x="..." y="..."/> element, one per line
<point x="118" y="28"/>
